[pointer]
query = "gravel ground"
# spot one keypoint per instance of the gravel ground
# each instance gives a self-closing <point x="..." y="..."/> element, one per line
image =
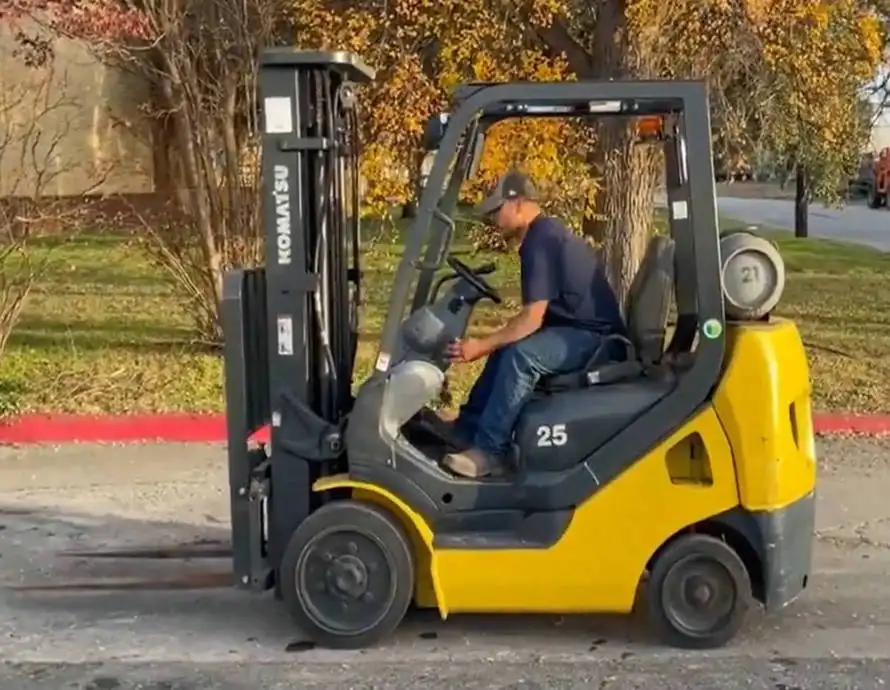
<point x="82" y="497"/>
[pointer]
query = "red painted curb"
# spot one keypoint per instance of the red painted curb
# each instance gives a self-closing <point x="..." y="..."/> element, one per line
<point x="211" y="428"/>
<point x="171" y="428"/>
<point x="841" y="423"/>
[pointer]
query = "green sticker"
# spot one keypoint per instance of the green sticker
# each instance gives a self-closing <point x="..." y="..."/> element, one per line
<point x="712" y="329"/>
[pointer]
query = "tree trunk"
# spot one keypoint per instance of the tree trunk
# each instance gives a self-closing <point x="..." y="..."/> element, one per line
<point x="409" y="208"/>
<point x="787" y="169"/>
<point x="624" y="205"/>
<point x="802" y="197"/>
<point x="624" y="202"/>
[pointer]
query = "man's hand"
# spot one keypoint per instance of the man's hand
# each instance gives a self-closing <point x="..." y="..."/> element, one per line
<point x="521" y="326"/>
<point x="467" y="350"/>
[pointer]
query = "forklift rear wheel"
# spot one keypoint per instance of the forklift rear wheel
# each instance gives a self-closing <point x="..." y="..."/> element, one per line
<point x="698" y="592"/>
<point x="347" y="575"/>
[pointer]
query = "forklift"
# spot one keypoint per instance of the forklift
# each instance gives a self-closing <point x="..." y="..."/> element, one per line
<point x="684" y="472"/>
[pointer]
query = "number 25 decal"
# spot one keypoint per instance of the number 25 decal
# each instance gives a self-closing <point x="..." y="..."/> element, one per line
<point x="552" y="435"/>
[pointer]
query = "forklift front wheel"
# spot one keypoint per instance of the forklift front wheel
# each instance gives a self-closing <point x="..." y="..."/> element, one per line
<point x="347" y="575"/>
<point x="698" y="592"/>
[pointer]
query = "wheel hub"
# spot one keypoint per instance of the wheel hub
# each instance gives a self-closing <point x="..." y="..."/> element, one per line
<point x="698" y="595"/>
<point x="699" y="592"/>
<point x="345" y="581"/>
<point x="347" y="576"/>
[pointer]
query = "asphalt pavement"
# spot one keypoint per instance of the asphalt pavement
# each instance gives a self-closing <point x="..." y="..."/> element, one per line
<point x="95" y="496"/>
<point x="854" y="222"/>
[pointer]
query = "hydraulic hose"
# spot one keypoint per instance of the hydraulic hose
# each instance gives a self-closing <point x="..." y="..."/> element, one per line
<point x="322" y="87"/>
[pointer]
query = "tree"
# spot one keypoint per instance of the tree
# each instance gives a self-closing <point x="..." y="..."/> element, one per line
<point x="600" y="41"/>
<point x="815" y="115"/>
<point x="780" y="74"/>
<point x="877" y="93"/>
<point x="422" y="49"/>
<point x="200" y="58"/>
<point x="784" y="75"/>
<point x="780" y="77"/>
<point x="429" y="47"/>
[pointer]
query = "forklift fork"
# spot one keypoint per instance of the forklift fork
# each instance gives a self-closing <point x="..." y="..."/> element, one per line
<point x="190" y="580"/>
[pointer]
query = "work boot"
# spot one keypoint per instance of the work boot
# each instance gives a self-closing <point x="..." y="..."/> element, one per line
<point x="445" y="429"/>
<point x="473" y="463"/>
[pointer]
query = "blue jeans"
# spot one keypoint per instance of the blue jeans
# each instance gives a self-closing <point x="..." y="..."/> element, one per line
<point x="509" y="378"/>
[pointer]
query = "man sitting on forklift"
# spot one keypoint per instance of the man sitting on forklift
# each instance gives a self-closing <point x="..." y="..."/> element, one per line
<point x="569" y="307"/>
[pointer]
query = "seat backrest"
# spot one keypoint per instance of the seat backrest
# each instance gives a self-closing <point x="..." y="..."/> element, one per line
<point x="649" y="299"/>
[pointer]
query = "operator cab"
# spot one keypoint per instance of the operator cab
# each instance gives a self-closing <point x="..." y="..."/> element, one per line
<point x="574" y="417"/>
<point x="613" y="390"/>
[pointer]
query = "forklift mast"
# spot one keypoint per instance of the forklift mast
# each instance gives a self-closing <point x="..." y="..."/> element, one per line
<point x="291" y="326"/>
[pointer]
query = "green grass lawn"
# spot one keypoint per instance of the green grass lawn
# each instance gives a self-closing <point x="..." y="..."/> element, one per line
<point x="105" y="331"/>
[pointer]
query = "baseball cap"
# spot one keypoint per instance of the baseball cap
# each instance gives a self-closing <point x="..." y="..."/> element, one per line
<point x="513" y="185"/>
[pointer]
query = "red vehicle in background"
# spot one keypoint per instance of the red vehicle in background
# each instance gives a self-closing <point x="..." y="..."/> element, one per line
<point x="879" y="184"/>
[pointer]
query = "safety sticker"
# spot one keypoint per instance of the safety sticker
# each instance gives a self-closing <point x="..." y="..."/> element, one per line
<point x="285" y="336"/>
<point x="680" y="210"/>
<point x="278" y="114"/>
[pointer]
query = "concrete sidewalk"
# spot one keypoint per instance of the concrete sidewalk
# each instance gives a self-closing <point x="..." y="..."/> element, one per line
<point x="84" y="497"/>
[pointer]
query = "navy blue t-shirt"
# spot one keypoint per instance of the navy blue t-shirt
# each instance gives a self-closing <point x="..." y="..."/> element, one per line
<point x="559" y="266"/>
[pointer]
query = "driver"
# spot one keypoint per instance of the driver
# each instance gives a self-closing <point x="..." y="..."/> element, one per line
<point x="568" y="307"/>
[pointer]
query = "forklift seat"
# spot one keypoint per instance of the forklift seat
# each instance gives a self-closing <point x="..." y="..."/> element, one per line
<point x="646" y="307"/>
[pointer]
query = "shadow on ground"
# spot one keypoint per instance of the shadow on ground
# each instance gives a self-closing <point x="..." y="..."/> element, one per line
<point x="217" y="622"/>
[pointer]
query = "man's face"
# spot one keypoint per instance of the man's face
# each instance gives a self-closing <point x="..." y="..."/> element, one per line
<point x="507" y="219"/>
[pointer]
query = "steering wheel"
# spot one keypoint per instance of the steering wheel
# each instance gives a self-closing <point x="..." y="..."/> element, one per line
<point x="474" y="279"/>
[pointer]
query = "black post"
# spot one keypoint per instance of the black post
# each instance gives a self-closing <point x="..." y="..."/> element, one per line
<point x="802" y="202"/>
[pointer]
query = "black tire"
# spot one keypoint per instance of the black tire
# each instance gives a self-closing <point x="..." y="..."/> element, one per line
<point x="875" y="199"/>
<point x="720" y="570"/>
<point x="347" y="575"/>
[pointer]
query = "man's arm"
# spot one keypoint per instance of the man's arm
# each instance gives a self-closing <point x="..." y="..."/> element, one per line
<point x="520" y="326"/>
<point x="539" y="286"/>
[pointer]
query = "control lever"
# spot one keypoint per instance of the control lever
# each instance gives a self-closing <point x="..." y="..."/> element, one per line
<point x="485" y="269"/>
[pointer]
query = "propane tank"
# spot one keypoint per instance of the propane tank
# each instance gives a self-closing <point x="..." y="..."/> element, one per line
<point x="753" y="275"/>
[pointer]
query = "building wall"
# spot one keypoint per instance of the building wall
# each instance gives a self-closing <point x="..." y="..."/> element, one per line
<point x="72" y="127"/>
